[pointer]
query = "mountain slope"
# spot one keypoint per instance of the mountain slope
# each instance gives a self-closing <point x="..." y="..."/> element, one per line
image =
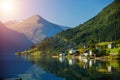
<point x="36" y="28"/>
<point x="11" y="40"/>
<point x="103" y="27"/>
<point x="9" y="23"/>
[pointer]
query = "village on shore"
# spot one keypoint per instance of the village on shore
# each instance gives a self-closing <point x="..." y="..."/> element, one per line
<point x="103" y="50"/>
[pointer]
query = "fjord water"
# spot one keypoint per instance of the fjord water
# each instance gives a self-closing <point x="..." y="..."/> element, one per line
<point x="11" y="65"/>
<point x="17" y="67"/>
<point x="79" y="69"/>
<point x="61" y="68"/>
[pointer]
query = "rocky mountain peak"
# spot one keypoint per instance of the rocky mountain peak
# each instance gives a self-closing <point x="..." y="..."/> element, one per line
<point x="36" y="18"/>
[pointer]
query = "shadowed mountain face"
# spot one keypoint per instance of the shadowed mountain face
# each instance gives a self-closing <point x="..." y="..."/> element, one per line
<point x="12" y="41"/>
<point x="36" y="28"/>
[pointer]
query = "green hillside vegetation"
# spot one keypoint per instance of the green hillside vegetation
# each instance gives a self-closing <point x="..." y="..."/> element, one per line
<point x="104" y="27"/>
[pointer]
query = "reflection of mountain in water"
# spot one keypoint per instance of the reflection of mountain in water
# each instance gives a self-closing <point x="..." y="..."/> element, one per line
<point x="79" y="70"/>
<point x="32" y="73"/>
<point x="37" y="73"/>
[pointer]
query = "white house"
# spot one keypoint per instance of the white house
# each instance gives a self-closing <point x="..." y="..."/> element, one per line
<point x="90" y="52"/>
<point x="72" y="51"/>
<point x="110" y="46"/>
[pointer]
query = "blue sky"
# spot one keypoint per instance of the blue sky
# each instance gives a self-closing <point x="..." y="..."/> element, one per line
<point x="63" y="12"/>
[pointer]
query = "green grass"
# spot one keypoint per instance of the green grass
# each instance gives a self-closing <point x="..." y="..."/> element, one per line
<point x="114" y="63"/>
<point x="103" y="43"/>
<point x="118" y="45"/>
<point x="117" y="49"/>
<point x="114" y="50"/>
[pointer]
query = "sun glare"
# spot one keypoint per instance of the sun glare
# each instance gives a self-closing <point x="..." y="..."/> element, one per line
<point x="6" y="5"/>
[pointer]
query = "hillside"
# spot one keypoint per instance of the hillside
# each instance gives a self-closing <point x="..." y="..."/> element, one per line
<point x="12" y="41"/>
<point x="9" y="23"/>
<point x="37" y="28"/>
<point x="103" y="27"/>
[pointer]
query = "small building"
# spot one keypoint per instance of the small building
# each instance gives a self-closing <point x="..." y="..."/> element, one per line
<point x="86" y="46"/>
<point x="63" y="53"/>
<point x="112" y="45"/>
<point x="97" y="48"/>
<point x="90" y="52"/>
<point x="86" y="53"/>
<point x="72" y="51"/>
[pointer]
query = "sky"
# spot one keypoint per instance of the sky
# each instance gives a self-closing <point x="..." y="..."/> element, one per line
<point x="63" y="12"/>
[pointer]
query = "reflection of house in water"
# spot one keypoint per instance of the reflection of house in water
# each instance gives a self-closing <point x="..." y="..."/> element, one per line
<point x="84" y="61"/>
<point x="27" y="57"/>
<point x="61" y="59"/>
<point x="109" y="69"/>
<point x="71" y="61"/>
<point x="90" y="63"/>
<point x="87" y="63"/>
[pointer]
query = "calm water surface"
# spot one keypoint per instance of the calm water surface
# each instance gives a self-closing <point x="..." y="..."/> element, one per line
<point x="48" y="68"/>
<point x="79" y="69"/>
<point x="20" y="68"/>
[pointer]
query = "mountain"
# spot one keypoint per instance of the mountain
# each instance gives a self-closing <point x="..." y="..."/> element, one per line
<point x="103" y="27"/>
<point x="12" y="41"/>
<point x="36" y="28"/>
<point x="9" y="23"/>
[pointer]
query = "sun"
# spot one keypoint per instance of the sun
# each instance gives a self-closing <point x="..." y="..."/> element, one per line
<point x="6" y="5"/>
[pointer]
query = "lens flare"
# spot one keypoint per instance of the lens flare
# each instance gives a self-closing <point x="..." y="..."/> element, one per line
<point x="6" y="6"/>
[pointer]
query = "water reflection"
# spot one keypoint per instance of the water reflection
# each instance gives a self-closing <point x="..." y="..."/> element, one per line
<point x="11" y="66"/>
<point x="19" y="68"/>
<point x="37" y="73"/>
<point x="61" y="59"/>
<point x="71" y="61"/>
<point x="79" y="69"/>
<point x="90" y="63"/>
<point x="61" y="68"/>
<point x="109" y="69"/>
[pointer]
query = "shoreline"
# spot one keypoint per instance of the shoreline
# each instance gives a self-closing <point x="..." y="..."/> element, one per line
<point x="96" y="58"/>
